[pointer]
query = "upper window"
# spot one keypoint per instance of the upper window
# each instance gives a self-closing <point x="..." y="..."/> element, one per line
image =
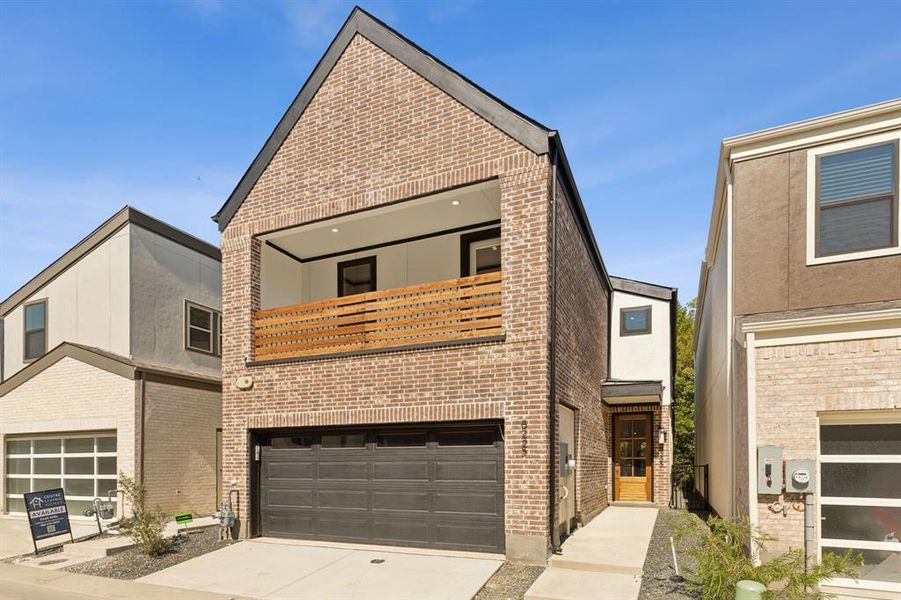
<point x="356" y="276"/>
<point x="853" y="203"/>
<point x="35" y="342"/>
<point x="202" y="329"/>
<point x="480" y="252"/>
<point x="635" y="321"/>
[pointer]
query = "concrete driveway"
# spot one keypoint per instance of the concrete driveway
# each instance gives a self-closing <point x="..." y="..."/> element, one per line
<point x="278" y="569"/>
<point x="15" y="536"/>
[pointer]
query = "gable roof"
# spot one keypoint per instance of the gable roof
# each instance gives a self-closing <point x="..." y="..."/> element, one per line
<point x="527" y="131"/>
<point x="530" y="133"/>
<point x="101" y="359"/>
<point x="107" y="229"/>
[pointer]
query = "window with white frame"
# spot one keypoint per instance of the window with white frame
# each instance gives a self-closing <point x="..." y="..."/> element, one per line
<point x="860" y="499"/>
<point x="83" y="465"/>
<point x="202" y="329"/>
<point x="853" y="193"/>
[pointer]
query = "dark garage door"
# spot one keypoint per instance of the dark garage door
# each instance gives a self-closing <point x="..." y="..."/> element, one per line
<point x="436" y="486"/>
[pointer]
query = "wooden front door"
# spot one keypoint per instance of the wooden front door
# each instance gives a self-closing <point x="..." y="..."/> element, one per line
<point x="632" y="469"/>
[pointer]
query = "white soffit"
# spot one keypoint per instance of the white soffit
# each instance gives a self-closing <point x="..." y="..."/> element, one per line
<point x="477" y="203"/>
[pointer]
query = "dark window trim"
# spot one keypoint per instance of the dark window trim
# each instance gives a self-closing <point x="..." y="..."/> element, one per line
<point x="366" y="260"/>
<point x="894" y="196"/>
<point x="25" y="358"/>
<point x="622" y="320"/>
<point x="215" y="329"/>
<point x="469" y="238"/>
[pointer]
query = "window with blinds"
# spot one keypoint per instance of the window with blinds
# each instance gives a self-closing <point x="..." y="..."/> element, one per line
<point x="857" y="200"/>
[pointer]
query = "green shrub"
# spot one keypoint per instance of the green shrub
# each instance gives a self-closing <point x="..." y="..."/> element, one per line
<point x="147" y="526"/>
<point x="720" y="552"/>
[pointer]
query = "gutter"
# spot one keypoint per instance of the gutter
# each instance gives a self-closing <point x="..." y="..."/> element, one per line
<point x="552" y="400"/>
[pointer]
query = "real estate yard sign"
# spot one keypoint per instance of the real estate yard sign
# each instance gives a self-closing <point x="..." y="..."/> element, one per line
<point x="47" y="515"/>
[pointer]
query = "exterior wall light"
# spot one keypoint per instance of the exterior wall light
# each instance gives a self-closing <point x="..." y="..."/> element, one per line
<point x="661" y="436"/>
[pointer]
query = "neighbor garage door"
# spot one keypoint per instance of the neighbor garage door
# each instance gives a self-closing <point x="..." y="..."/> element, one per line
<point x="430" y="486"/>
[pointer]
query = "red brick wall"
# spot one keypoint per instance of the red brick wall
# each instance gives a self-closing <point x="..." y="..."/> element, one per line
<point x="374" y="133"/>
<point x="582" y="304"/>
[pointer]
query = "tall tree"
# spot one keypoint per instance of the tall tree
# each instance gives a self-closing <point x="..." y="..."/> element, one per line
<point x="684" y="390"/>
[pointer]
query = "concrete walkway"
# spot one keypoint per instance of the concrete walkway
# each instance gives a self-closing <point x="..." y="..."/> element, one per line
<point x="29" y="583"/>
<point x="601" y="561"/>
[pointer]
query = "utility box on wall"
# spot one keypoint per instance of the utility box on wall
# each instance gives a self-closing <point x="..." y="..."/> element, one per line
<point x="800" y="476"/>
<point x="769" y="470"/>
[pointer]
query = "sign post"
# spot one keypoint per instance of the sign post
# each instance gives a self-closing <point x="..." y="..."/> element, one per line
<point x="183" y="519"/>
<point x="47" y="515"/>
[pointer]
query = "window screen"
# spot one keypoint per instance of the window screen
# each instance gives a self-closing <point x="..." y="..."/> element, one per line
<point x="857" y="200"/>
<point x="35" y="330"/>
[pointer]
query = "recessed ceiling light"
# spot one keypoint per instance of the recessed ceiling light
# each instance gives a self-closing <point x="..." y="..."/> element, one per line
<point x="334" y="230"/>
<point x="456" y="203"/>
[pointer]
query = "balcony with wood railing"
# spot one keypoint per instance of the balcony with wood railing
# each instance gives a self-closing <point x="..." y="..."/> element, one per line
<point x="437" y="313"/>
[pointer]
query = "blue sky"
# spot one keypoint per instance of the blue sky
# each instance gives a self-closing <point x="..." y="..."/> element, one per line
<point x="163" y="105"/>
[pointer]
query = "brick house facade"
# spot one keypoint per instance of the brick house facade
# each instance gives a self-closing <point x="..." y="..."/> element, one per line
<point x="378" y="127"/>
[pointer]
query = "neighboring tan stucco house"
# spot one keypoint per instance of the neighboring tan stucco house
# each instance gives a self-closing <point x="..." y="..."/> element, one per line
<point x="417" y="339"/>
<point x="798" y="340"/>
<point x="111" y="364"/>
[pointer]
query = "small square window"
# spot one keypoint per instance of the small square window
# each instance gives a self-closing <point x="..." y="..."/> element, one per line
<point x="202" y="328"/>
<point x="635" y="321"/>
<point x="356" y="276"/>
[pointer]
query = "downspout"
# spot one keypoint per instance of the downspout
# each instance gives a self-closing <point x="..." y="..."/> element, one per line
<point x="552" y="401"/>
<point x="140" y="425"/>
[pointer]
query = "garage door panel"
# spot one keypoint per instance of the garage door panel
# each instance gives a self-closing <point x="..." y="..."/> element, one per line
<point x="344" y="499"/>
<point x="302" y="498"/>
<point x="288" y="524"/>
<point x="484" y="504"/>
<point x="401" y="501"/>
<point x="288" y="470"/>
<point x="344" y="470"/>
<point x="464" y="535"/>
<point x="432" y="485"/>
<point x="401" y="470"/>
<point x="400" y="530"/>
<point x="343" y="527"/>
<point x="459" y="470"/>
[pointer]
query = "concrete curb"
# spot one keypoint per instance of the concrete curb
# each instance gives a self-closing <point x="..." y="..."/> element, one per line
<point x="18" y="582"/>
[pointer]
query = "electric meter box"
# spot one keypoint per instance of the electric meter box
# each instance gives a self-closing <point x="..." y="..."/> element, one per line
<point x="800" y="476"/>
<point x="769" y="470"/>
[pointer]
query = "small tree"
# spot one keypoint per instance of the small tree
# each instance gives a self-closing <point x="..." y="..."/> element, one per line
<point x="721" y="557"/>
<point x="147" y="526"/>
<point x="684" y="388"/>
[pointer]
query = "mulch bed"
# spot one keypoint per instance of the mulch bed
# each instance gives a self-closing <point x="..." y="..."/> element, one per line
<point x="131" y="564"/>
<point x="510" y="582"/>
<point x="656" y="582"/>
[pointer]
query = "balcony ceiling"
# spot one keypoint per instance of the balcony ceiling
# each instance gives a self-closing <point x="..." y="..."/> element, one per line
<point x="477" y="204"/>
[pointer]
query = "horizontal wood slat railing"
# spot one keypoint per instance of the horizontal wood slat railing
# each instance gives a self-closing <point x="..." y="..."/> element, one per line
<point x="434" y="312"/>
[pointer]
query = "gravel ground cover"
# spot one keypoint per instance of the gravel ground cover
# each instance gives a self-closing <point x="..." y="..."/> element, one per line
<point x="131" y="564"/>
<point x="510" y="582"/>
<point x="658" y="566"/>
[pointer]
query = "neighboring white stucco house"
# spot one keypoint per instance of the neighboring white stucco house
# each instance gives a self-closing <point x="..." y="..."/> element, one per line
<point x="110" y="363"/>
